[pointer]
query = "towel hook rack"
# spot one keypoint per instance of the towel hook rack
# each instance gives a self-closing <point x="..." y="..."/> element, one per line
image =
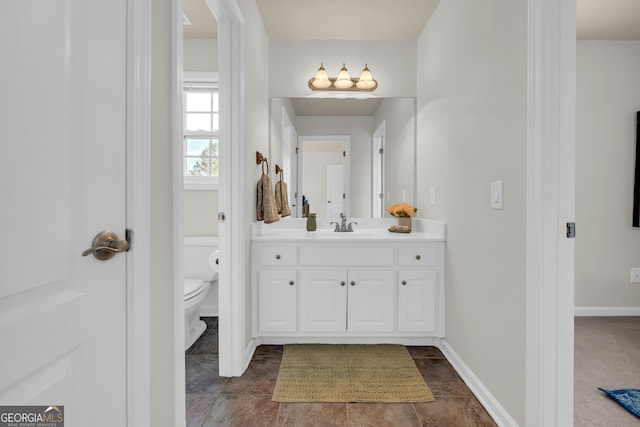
<point x="278" y="169"/>
<point x="262" y="160"/>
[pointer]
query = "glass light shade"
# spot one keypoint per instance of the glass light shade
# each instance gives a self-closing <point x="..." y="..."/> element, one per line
<point x="321" y="80"/>
<point x="366" y="79"/>
<point x="344" y="80"/>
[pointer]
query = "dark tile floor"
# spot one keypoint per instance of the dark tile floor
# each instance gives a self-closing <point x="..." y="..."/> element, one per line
<point x="246" y="401"/>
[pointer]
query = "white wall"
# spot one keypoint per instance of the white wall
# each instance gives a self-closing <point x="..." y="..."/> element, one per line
<point x="200" y="206"/>
<point x="607" y="246"/>
<point x="360" y="129"/>
<point x="399" y="171"/>
<point x="200" y="54"/>
<point x="472" y="97"/>
<point x="293" y="63"/>
<point x="256" y="130"/>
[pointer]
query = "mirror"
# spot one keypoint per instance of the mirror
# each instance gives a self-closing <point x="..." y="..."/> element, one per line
<point x="355" y="156"/>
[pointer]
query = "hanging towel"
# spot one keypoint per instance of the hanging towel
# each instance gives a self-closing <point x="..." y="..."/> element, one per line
<point x="282" y="198"/>
<point x="267" y="210"/>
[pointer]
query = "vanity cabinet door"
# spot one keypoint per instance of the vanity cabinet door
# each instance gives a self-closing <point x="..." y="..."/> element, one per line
<point x="323" y="301"/>
<point x="417" y="301"/>
<point x="277" y="300"/>
<point x="371" y="302"/>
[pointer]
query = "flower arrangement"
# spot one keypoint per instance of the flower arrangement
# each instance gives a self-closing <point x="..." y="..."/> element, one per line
<point x="402" y="210"/>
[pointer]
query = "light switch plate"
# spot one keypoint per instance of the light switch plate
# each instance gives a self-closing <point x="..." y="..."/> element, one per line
<point x="635" y="275"/>
<point x="497" y="195"/>
<point x="432" y="196"/>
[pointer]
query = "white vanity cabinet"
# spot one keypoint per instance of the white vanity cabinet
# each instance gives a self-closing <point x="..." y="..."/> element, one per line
<point x="356" y="287"/>
<point x="343" y="300"/>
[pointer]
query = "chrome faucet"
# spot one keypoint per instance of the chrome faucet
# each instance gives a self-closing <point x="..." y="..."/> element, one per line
<point x="343" y="227"/>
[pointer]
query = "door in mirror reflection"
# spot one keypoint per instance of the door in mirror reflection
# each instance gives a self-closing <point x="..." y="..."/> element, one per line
<point x="323" y="174"/>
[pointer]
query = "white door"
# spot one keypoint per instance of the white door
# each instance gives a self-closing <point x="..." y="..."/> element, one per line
<point x="335" y="191"/>
<point x="377" y="185"/>
<point x="62" y="180"/>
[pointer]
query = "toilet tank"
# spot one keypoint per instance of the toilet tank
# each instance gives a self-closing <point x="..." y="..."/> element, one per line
<point x="196" y="257"/>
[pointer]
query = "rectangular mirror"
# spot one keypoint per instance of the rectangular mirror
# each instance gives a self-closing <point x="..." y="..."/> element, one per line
<point x="355" y="156"/>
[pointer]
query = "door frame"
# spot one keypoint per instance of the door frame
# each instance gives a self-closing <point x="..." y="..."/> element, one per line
<point x="231" y="314"/>
<point x="346" y="139"/>
<point x="138" y="202"/>
<point x="550" y="205"/>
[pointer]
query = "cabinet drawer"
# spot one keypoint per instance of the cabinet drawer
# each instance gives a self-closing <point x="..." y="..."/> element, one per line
<point x="277" y="256"/>
<point x="417" y="256"/>
<point x="346" y="256"/>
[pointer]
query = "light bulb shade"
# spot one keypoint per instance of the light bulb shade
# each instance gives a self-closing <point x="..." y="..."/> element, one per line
<point x="344" y="80"/>
<point x="321" y="80"/>
<point x="366" y="79"/>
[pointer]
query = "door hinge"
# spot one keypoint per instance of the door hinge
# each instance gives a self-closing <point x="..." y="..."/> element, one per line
<point x="381" y="151"/>
<point x="128" y="236"/>
<point x="571" y="230"/>
<point x="296" y="151"/>
<point x="344" y="196"/>
<point x="344" y="154"/>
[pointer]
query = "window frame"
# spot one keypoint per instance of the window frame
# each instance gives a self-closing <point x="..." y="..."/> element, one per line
<point x="206" y="79"/>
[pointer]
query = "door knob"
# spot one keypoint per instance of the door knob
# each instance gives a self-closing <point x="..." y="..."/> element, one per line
<point x="106" y="244"/>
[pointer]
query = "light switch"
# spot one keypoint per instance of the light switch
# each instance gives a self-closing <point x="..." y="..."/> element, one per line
<point x="432" y="196"/>
<point x="497" y="195"/>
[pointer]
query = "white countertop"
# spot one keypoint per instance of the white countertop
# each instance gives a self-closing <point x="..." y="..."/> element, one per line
<point x="366" y="229"/>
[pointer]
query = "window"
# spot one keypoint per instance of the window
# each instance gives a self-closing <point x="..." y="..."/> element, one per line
<point x="201" y="133"/>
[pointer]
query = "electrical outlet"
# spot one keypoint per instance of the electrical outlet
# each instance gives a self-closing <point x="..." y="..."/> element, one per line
<point x="635" y="275"/>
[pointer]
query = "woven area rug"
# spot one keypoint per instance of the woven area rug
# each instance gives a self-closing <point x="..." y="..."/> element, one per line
<point x="349" y="373"/>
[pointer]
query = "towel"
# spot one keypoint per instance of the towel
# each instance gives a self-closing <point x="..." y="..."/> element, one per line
<point x="282" y="199"/>
<point x="266" y="208"/>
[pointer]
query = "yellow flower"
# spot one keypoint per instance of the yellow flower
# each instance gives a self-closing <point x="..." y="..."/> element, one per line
<point x="402" y="210"/>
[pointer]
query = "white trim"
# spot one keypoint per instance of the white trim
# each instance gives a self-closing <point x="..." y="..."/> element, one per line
<point x="201" y="183"/>
<point x="606" y="311"/>
<point x="138" y="211"/>
<point x="200" y="76"/>
<point x="482" y="393"/>
<point x="232" y="307"/>
<point x="550" y="204"/>
<point x="177" y="134"/>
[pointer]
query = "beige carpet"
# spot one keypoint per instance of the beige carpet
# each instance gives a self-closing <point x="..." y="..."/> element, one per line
<point x="349" y="373"/>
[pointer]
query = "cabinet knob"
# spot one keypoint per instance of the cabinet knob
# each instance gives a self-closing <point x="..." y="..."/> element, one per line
<point x="291" y="282"/>
<point x="418" y="257"/>
<point x="353" y="283"/>
<point x="404" y="283"/>
<point x="342" y="283"/>
<point x="278" y="256"/>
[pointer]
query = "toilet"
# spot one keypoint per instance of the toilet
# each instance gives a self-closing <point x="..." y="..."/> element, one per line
<point x="201" y="273"/>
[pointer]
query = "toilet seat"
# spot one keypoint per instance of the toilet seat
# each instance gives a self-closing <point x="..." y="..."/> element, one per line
<point x="192" y="288"/>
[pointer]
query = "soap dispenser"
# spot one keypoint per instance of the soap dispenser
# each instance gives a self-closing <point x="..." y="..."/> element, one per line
<point x="311" y="222"/>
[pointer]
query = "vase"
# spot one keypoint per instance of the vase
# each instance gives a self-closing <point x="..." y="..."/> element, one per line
<point x="404" y="224"/>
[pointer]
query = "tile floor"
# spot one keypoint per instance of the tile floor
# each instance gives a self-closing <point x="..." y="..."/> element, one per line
<point x="246" y="401"/>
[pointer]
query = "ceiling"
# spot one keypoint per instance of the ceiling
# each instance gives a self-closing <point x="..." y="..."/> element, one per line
<point x="395" y="20"/>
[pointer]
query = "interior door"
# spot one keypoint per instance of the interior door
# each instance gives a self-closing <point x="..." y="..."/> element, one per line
<point x="335" y="191"/>
<point x="62" y="180"/>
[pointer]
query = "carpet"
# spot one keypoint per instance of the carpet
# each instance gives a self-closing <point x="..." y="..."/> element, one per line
<point x="349" y="373"/>
<point x="628" y="398"/>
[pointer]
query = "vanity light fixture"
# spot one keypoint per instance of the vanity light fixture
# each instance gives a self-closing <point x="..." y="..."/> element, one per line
<point x="343" y="82"/>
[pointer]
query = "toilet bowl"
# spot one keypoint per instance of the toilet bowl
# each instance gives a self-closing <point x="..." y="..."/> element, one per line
<point x="201" y="272"/>
<point x="194" y="293"/>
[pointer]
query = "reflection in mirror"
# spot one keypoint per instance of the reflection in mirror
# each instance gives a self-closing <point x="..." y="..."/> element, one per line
<point x="377" y="167"/>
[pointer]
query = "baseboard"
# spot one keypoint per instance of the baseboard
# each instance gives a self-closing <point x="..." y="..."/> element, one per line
<point x="606" y="311"/>
<point x="249" y="350"/>
<point x="490" y="403"/>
